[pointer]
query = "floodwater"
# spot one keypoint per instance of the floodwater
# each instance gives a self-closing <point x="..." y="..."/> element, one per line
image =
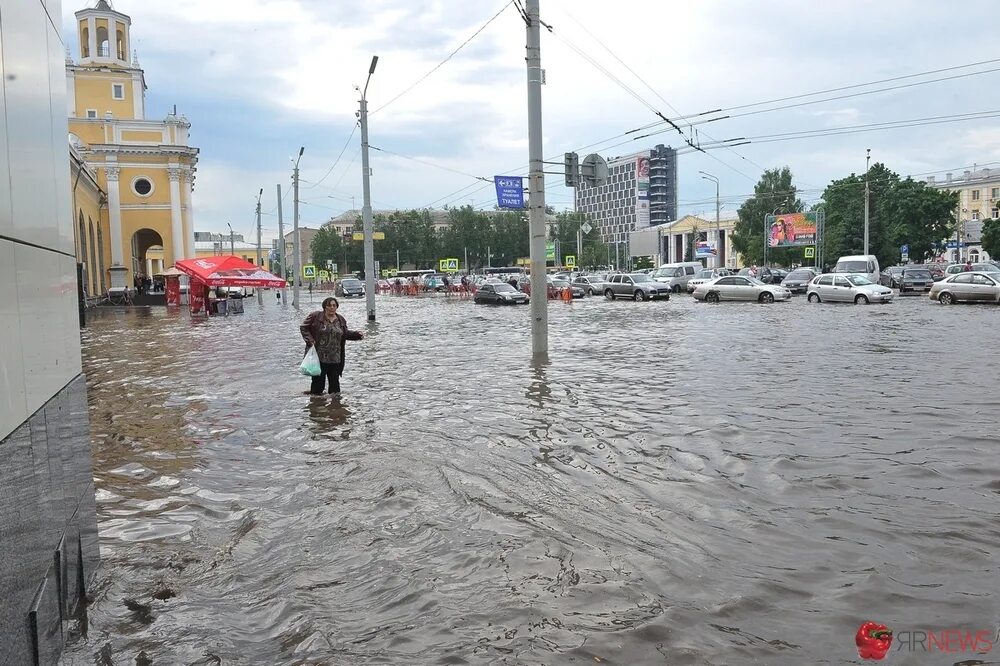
<point x="680" y="483"/>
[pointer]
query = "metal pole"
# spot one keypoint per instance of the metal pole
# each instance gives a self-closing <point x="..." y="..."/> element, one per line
<point x="765" y="240"/>
<point x="867" y="160"/>
<point x="297" y="268"/>
<point x="231" y="243"/>
<point x="281" y="247"/>
<point x="397" y="259"/>
<point x="260" y="294"/>
<point x="466" y="261"/>
<point x="366" y="211"/>
<point x="536" y="185"/>
<point x="489" y="257"/>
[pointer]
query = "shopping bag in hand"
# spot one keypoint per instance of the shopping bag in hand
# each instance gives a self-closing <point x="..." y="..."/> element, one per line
<point x="310" y="364"/>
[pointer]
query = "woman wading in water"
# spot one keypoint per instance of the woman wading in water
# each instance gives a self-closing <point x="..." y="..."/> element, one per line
<point x="327" y="330"/>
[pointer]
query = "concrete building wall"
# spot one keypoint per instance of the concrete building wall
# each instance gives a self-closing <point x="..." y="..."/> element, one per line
<point x="48" y="523"/>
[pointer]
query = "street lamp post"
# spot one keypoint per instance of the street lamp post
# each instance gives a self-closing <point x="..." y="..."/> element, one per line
<point x="707" y="176"/>
<point x="366" y="211"/>
<point x="868" y="158"/>
<point x="297" y="248"/>
<point x="231" y="243"/>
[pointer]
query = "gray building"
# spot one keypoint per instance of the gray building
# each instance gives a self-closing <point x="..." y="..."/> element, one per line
<point x="48" y="515"/>
<point x="641" y="192"/>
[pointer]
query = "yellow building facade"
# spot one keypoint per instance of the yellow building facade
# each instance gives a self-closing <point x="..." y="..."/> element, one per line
<point x="144" y="169"/>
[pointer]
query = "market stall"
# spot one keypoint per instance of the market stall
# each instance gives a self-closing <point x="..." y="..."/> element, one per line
<point x="209" y="273"/>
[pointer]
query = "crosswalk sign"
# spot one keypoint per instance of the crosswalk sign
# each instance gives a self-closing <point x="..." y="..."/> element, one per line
<point x="309" y="272"/>
<point x="570" y="261"/>
<point x="448" y="265"/>
<point x="810" y="253"/>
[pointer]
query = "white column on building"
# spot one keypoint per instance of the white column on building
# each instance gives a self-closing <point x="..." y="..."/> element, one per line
<point x="92" y="36"/>
<point x="138" y="97"/>
<point x="112" y="39"/>
<point x="187" y="187"/>
<point x="149" y="267"/>
<point x="115" y="216"/>
<point x="176" y="221"/>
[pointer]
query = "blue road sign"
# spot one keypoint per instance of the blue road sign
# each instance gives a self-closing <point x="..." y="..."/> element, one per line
<point x="904" y="250"/>
<point x="510" y="191"/>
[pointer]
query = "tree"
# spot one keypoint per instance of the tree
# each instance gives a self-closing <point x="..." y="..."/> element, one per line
<point x="327" y="245"/>
<point x="774" y="192"/>
<point x="900" y="212"/>
<point x="991" y="238"/>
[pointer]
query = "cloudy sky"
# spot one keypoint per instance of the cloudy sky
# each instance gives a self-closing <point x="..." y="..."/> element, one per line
<point x="259" y="78"/>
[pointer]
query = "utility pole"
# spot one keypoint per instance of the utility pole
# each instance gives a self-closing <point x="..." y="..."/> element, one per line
<point x="868" y="158"/>
<point x="283" y="271"/>
<point x="232" y="244"/>
<point x="397" y="259"/>
<point x="296" y="249"/>
<point x="366" y="211"/>
<point x="260" y="294"/>
<point x="707" y="176"/>
<point x="536" y="185"/>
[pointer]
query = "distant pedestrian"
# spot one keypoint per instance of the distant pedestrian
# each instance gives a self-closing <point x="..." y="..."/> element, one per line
<point x="512" y="282"/>
<point x="968" y="266"/>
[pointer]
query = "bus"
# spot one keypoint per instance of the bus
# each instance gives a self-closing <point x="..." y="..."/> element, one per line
<point x="498" y="271"/>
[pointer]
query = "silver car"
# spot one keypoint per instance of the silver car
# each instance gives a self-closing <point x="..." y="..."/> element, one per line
<point x="980" y="286"/>
<point x="798" y="280"/>
<point x="847" y="288"/>
<point x="638" y="286"/>
<point x="591" y="284"/>
<point x="704" y="275"/>
<point x="740" y="288"/>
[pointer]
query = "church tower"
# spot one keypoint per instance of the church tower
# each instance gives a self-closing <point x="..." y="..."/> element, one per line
<point x="145" y="167"/>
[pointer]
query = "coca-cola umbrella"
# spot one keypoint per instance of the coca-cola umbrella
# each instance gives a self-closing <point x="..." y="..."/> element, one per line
<point x="228" y="271"/>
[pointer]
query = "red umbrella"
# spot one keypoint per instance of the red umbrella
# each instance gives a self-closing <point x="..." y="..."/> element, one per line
<point x="228" y="271"/>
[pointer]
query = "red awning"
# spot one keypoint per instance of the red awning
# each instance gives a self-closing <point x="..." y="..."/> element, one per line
<point x="229" y="271"/>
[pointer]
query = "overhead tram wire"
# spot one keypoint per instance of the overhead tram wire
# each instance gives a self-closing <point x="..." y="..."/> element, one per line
<point x="432" y="164"/>
<point x="447" y="58"/>
<point x="335" y="162"/>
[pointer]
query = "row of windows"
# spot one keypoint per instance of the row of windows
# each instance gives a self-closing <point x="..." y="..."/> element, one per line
<point x="994" y="214"/>
<point x="994" y="194"/>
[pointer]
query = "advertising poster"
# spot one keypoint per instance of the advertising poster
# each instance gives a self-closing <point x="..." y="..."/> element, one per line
<point x="791" y="229"/>
<point x="704" y="249"/>
<point x="642" y="192"/>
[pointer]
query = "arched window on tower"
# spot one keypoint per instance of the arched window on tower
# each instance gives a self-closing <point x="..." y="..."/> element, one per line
<point x="85" y="42"/>
<point x="121" y="45"/>
<point x="103" y="47"/>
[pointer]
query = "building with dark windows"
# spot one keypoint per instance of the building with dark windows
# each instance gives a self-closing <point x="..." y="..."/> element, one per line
<point x="641" y="192"/>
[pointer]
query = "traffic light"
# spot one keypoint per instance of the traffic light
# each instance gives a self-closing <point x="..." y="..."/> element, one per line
<point x="572" y="163"/>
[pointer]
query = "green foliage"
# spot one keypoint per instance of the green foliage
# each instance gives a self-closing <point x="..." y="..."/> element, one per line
<point x="773" y="192"/>
<point x="640" y="263"/>
<point x="991" y="238"/>
<point x="900" y="212"/>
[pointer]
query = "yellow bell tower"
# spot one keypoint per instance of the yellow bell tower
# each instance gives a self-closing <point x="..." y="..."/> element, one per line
<point x="146" y="167"/>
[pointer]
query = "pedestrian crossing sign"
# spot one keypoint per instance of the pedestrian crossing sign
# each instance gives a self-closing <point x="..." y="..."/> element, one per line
<point x="309" y="272"/>
<point x="570" y="261"/>
<point x="448" y="265"/>
<point x="810" y="253"/>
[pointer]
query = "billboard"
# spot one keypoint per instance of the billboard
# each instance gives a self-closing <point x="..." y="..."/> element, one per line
<point x="704" y="249"/>
<point x="642" y="191"/>
<point x="791" y="229"/>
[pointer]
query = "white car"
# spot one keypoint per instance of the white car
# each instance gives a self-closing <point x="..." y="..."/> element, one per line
<point x="740" y="288"/>
<point x="847" y="288"/>
<point x="704" y="275"/>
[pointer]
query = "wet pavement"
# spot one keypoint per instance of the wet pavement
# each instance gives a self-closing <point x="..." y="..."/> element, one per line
<point x="681" y="483"/>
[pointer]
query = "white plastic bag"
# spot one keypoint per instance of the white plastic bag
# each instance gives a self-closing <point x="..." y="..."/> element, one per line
<point x="310" y="364"/>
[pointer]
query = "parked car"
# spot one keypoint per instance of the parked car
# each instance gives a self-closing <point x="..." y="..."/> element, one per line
<point x="349" y="287"/>
<point x="798" y="280"/>
<point x="676" y="275"/>
<point x="915" y="279"/>
<point x="639" y="286"/>
<point x="890" y="276"/>
<point x="577" y="290"/>
<point x="777" y="275"/>
<point x="986" y="267"/>
<point x="704" y="275"/>
<point x="860" y="264"/>
<point x="972" y="287"/>
<point x="499" y="293"/>
<point x="740" y="288"/>
<point x="936" y="270"/>
<point x="434" y="283"/>
<point x="847" y="288"/>
<point x="592" y="285"/>
<point x="763" y="274"/>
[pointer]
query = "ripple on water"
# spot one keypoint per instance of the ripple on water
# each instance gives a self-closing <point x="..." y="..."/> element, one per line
<point x="679" y="483"/>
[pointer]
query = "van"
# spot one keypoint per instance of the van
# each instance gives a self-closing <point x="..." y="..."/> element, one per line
<point x="677" y="275"/>
<point x="859" y="264"/>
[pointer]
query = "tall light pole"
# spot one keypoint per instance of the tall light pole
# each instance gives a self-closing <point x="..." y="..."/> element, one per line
<point x="366" y="211"/>
<point x="260" y="294"/>
<point x="707" y="176"/>
<point x="231" y="243"/>
<point x="868" y="158"/>
<point x="281" y="247"/>
<point x="296" y="248"/>
<point x="536" y="185"/>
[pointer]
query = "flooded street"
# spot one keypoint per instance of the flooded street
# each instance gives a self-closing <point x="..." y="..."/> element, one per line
<point x="681" y="483"/>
